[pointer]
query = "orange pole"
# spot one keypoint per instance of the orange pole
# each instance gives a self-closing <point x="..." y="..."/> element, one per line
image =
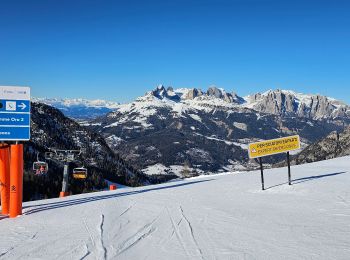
<point x="112" y="187"/>
<point x="64" y="194"/>
<point x="16" y="180"/>
<point x="5" y="178"/>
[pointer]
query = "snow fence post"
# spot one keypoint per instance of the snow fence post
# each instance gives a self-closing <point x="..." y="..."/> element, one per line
<point x="262" y="173"/>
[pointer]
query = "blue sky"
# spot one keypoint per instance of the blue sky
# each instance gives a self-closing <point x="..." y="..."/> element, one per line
<point x="118" y="50"/>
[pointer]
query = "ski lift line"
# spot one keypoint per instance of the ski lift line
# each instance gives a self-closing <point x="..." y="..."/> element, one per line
<point x="67" y="156"/>
<point x="64" y="151"/>
<point x="63" y="155"/>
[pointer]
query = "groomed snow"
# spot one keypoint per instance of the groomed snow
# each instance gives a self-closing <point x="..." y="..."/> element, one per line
<point x="224" y="216"/>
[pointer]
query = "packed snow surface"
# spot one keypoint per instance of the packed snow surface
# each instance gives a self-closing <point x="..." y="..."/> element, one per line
<point x="224" y="216"/>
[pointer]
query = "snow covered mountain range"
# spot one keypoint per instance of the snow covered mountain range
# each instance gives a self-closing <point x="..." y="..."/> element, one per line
<point x="277" y="102"/>
<point x="79" y="108"/>
<point x="286" y="102"/>
<point x="209" y="130"/>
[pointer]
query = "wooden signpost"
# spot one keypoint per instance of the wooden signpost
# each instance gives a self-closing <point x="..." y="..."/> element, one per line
<point x="271" y="147"/>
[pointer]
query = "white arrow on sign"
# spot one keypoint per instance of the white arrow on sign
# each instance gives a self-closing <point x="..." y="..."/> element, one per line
<point x="22" y="106"/>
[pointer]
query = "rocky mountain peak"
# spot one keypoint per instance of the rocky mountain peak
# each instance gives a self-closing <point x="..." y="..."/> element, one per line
<point x="161" y="93"/>
<point x="222" y="94"/>
<point x="193" y="93"/>
<point x="216" y="92"/>
<point x="286" y="102"/>
<point x="177" y="95"/>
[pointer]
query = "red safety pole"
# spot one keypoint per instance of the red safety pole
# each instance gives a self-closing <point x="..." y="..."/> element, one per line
<point x="5" y="178"/>
<point x="16" y="180"/>
<point x="112" y="187"/>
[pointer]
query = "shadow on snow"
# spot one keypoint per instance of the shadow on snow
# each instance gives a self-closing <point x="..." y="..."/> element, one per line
<point x="72" y="202"/>
<point x="305" y="179"/>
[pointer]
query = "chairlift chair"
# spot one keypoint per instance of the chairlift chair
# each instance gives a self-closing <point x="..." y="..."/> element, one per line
<point x="61" y="156"/>
<point x="79" y="173"/>
<point x="70" y="157"/>
<point x="40" y="168"/>
<point x="49" y="155"/>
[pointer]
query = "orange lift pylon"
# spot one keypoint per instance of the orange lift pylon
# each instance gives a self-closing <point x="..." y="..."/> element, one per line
<point x="5" y="178"/>
<point x="11" y="178"/>
<point x="16" y="180"/>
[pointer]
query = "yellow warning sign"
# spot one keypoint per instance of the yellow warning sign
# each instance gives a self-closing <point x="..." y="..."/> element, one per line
<point x="274" y="146"/>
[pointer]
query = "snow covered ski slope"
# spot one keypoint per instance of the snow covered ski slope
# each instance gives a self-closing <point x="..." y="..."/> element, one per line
<point x="216" y="217"/>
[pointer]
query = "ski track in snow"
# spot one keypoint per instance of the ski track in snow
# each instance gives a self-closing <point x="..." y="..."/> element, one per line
<point x="342" y="200"/>
<point x="199" y="251"/>
<point x="125" y="211"/>
<point x="6" y="252"/>
<point x="89" y="232"/>
<point x="101" y="249"/>
<point x="141" y="234"/>
<point x="177" y="233"/>
<point x="90" y="237"/>
<point x="184" y="233"/>
<point x="72" y="252"/>
<point x="84" y="254"/>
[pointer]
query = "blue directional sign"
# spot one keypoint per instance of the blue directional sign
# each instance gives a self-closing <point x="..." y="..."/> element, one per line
<point x="14" y="113"/>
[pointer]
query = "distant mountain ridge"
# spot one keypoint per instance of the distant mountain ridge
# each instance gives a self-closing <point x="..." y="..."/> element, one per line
<point x="211" y="129"/>
<point x="286" y="102"/>
<point x="79" y="108"/>
<point x="336" y="144"/>
<point x="276" y="102"/>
